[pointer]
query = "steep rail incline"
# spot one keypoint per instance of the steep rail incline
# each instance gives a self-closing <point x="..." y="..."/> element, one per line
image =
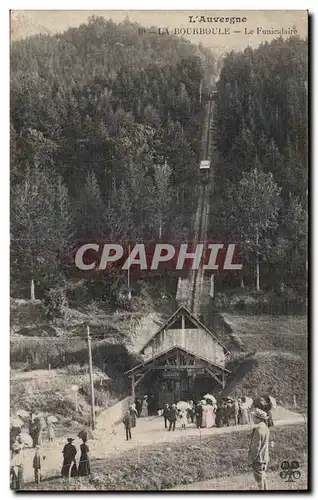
<point x="202" y="213"/>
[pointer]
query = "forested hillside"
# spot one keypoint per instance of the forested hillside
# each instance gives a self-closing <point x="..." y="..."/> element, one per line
<point x="105" y="134"/>
<point x="262" y="173"/>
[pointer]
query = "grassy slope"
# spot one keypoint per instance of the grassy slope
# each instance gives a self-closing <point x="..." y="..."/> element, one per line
<point x="34" y="345"/>
<point x="50" y="392"/>
<point x="167" y="465"/>
<point x="272" y="357"/>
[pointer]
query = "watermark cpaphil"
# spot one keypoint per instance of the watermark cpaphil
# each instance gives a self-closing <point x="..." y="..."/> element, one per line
<point x="140" y="257"/>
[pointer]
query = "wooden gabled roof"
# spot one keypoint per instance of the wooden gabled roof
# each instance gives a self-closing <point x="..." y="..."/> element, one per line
<point x="163" y="353"/>
<point x="191" y="316"/>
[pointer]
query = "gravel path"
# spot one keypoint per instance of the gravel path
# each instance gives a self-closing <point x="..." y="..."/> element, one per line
<point x="148" y="431"/>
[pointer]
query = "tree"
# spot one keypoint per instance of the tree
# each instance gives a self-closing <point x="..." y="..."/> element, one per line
<point x="41" y="225"/>
<point x="252" y="212"/>
<point x="90" y="210"/>
<point x="163" y="196"/>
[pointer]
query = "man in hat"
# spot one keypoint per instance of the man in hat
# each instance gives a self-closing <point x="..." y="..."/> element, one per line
<point x="69" y="465"/>
<point x="199" y="414"/>
<point x="166" y="414"/>
<point x="173" y="417"/>
<point x="259" y="448"/>
<point x="127" y="424"/>
<point x="138" y="406"/>
<point x="37" y="464"/>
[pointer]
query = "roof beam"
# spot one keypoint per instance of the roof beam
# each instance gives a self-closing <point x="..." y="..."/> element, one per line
<point x="214" y="376"/>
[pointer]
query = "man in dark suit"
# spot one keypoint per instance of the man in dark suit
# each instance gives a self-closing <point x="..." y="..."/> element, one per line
<point x="199" y="414"/>
<point x="173" y="417"/>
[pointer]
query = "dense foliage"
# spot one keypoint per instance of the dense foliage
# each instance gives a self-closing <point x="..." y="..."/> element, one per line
<point x="105" y="135"/>
<point x="262" y="173"/>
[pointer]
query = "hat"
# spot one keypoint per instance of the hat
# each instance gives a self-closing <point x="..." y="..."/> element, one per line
<point x="16" y="447"/>
<point x="70" y="440"/>
<point x="261" y="414"/>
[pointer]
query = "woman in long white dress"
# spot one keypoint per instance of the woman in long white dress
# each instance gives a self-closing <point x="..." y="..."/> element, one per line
<point x="210" y="416"/>
<point x="204" y="413"/>
<point x="144" y="408"/>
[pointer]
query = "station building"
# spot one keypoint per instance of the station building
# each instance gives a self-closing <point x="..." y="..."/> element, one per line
<point x="183" y="360"/>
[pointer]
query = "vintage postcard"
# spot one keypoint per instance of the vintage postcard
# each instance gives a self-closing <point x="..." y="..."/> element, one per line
<point x="159" y="205"/>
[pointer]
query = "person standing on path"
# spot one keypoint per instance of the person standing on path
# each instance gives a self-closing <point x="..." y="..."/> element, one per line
<point x="133" y="414"/>
<point x="16" y="469"/>
<point x="166" y="413"/>
<point x="183" y="418"/>
<point x="138" y="404"/>
<point x="144" y="409"/>
<point x="50" y="430"/>
<point x="259" y="448"/>
<point x="127" y="424"/>
<point x="219" y="412"/>
<point x="69" y="465"/>
<point x="236" y="410"/>
<point x="199" y="415"/>
<point x="191" y="411"/>
<point x="83" y="465"/>
<point x="37" y="465"/>
<point x="173" y="417"/>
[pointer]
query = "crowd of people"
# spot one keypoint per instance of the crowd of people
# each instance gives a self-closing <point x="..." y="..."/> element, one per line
<point x="208" y="413"/>
<point x="36" y="426"/>
<point x="205" y="413"/>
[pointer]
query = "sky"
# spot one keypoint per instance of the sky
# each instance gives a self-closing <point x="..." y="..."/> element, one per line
<point x="29" y="22"/>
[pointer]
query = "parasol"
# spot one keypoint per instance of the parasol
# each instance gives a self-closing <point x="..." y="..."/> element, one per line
<point x="16" y="422"/>
<point x="183" y="405"/>
<point x="210" y="397"/>
<point x="23" y="414"/>
<point x="248" y="403"/>
<point x="51" y="419"/>
<point x="273" y="401"/>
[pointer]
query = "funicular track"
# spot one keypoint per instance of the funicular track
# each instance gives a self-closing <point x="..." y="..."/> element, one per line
<point x="202" y="212"/>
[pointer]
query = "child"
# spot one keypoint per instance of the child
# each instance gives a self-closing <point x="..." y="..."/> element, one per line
<point x="183" y="417"/>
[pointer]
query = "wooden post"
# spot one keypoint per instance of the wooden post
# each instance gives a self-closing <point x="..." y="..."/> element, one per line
<point x="133" y="395"/>
<point x="212" y="286"/>
<point x="258" y="288"/>
<point x="128" y="277"/>
<point x="91" y="378"/>
<point x="32" y="290"/>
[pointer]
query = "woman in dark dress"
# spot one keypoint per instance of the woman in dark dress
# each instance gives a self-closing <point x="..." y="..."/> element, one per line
<point x="83" y="466"/>
<point x="69" y="453"/>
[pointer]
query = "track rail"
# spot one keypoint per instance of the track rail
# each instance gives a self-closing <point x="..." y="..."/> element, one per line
<point x="203" y="207"/>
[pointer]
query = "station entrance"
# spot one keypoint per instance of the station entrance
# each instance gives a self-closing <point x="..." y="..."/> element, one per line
<point x="175" y="376"/>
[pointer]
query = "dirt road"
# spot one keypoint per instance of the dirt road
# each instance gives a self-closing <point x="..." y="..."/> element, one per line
<point x="148" y="431"/>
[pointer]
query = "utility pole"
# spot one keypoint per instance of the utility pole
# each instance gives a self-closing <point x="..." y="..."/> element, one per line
<point x="128" y="278"/>
<point x="91" y="378"/>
